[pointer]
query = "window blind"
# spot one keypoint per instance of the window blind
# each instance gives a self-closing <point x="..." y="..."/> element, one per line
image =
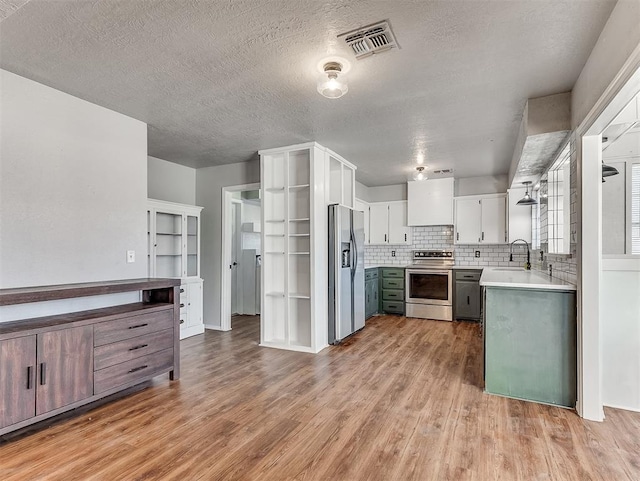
<point x="635" y="209"/>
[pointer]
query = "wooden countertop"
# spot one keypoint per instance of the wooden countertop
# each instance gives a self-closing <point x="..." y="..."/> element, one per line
<point x="22" y="295"/>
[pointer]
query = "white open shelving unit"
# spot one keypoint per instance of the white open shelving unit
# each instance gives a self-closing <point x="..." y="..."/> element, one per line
<point x="298" y="183"/>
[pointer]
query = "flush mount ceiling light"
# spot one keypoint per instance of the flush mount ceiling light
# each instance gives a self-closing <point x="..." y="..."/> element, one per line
<point x="420" y="174"/>
<point x="527" y="199"/>
<point x="332" y="82"/>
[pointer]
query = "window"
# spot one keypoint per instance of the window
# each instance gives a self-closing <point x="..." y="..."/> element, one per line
<point x="558" y="204"/>
<point x="635" y="209"/>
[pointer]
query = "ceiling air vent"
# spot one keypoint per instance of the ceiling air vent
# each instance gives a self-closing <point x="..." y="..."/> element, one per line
<point x="443" y="171"/>
<point x="371" y="39"/>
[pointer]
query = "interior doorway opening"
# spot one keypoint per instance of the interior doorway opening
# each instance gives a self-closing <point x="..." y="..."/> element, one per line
<point x="241" y="254"/>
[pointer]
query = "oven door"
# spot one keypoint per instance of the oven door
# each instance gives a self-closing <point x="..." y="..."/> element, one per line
<point x="429" y="286"/>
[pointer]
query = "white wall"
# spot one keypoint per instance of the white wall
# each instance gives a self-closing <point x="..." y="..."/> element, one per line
<point x="209" y="184"/>
<point x="490" y="184"/>
<point x="619" y="37"/>
<point x="362" y="191"/>
<point x="73" y="188"/>
<point x="170" y="182"/>
<point x="620" y="328"/>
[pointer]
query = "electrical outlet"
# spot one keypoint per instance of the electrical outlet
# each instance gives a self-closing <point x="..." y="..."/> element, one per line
<point x="131" y="257"/>
<point x="393" y="253"/>
<point x="477" y="253"/>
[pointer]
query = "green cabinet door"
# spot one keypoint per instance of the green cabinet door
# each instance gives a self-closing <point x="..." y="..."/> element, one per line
<point x="530" y="345"/>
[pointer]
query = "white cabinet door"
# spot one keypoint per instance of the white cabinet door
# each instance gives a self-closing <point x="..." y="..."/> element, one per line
<point x="379" y="223"/>
<point x="519" y="216"/>
<point x="194" y="306"/>
<point x="468" y="227"/>
<point x="494" y="229"/>
<point x="430" y="202"/>
<point x="364" y="207"/>
<point x="399" y="232"/>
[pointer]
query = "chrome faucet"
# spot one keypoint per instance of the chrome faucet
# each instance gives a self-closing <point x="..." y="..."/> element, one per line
<point x="527" y="266"/>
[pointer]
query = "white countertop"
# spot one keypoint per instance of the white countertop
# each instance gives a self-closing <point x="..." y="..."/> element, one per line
<point x="521" y="279"/>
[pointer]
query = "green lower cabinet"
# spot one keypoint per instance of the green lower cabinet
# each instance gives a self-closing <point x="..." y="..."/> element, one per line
<point x="530" y="345"/>
<point x="371" y="293"/>
<point x="392" y="290"/>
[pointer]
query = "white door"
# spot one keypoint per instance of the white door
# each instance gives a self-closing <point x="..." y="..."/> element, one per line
<point x="379" y="223"/>
<point x="236" y="250"/>
<point x="399" y="232"/>
<point x="468" y="222"/>
<point x="494" y="229"/>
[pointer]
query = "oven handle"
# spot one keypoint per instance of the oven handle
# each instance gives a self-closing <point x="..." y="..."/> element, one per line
<point x="429" y="271"/>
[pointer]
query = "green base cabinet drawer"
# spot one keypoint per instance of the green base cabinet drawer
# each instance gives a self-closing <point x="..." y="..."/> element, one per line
<point x="370" y="274"/>
<point x="392" y="295"/>
<point x="393" y="283"/>
<point x="393" y="307"/>
<point x="392" y="272"/>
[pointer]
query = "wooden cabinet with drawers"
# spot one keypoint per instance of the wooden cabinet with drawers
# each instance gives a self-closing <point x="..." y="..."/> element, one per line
<point x="52" y="364"/>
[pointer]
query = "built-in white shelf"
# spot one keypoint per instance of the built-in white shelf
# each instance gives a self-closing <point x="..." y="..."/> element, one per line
<point x="294" y="304"/>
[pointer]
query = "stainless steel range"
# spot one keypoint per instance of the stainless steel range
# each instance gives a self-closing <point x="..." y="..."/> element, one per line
<point x="429" y="285"/>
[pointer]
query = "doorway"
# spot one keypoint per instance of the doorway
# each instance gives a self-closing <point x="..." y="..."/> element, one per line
<point x="241" y="254"/>
<point x="608" y="269"/>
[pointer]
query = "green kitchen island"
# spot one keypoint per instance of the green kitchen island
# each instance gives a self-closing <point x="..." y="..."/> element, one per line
<point x="529" y="336"/>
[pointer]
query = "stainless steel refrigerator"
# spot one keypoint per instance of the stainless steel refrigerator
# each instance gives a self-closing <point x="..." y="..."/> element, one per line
<point x="346" y="272"/>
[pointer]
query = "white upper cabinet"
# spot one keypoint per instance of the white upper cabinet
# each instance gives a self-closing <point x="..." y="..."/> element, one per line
<point x="481" y="219"/>
<point x="342" y="180"/>
<point x="362" y="206"/>
<point x="468" y="223"/>
<point x="379" y="223"/>
<point x="388" y="223"/>
<point x="494" y="227"/>
<point x="430" y="202"/>
<point x="399" y="231"/>
<point x="519" y="216"/>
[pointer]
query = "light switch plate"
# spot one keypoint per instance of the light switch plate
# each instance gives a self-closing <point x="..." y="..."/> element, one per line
<point x="477" y="253"/>
<point x="131" y="257"/>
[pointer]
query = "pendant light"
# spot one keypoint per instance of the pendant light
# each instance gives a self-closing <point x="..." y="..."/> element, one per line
<point x="527" y="199"/>
<point x="608" y="170"/>
<point x="332" y="83"/>
<point x="420" y="174"/>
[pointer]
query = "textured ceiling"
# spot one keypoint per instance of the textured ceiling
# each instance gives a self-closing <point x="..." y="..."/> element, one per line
<point x="218" y="80"/>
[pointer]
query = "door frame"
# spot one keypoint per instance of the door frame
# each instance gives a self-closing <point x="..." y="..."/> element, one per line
<point x="225" y="254"/>
<point x="588" y="141"/>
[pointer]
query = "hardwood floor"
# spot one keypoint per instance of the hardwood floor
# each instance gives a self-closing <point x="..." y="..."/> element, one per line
<point x="401" y="400"/>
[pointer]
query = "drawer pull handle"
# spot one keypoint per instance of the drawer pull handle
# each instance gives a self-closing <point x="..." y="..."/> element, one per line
<point x="468" y="277"/>
<point x="140" y="368"/>
<point x="29" y="377"/>
<point x="181" y="305"/>
<point x="135" y="348"/>
<point x="181" y="321"/>
<point x="138" y="325"/>
<point x="181" y="291"/>
<point x="43" y="373"/>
